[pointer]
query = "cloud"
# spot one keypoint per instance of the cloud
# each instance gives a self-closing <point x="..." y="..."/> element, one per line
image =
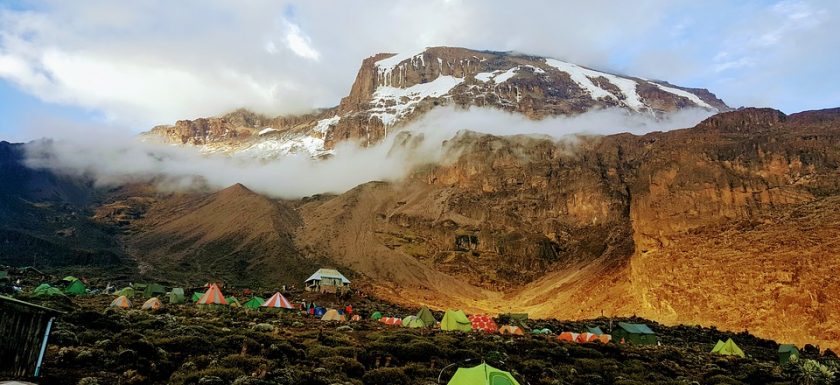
<point x="110" y="157"/>
<point x="146" y="63"/>
<point x="299" y="43"/>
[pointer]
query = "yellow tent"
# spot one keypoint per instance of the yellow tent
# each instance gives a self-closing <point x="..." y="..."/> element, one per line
<point x="728" y="348"/>
<point x="121" y="302"/>
<point x="332" y="315"/>
<point x="152" y="304"/>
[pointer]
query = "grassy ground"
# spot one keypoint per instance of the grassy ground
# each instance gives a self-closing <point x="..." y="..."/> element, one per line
<point x="181" y="344"/>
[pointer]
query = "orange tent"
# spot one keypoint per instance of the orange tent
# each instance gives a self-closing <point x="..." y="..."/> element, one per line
<point x="278" y="301"/>
<point x="391" y="321"/>
<point x="356" y="317"/>
<point x="213" y="296"/>
<point x="121" y="302"/>
<point x="510" y="329"/>
<point x="586" y="337"/>
<point x="605" y="338"/>
<point x="567" y="336"/>
<point x="152" y="304"/>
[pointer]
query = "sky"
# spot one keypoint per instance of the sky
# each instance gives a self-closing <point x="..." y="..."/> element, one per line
<point x="132" y="65"/>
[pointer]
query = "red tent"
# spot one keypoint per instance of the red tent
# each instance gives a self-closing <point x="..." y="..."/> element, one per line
<point x="567" y="336"/>
<point x="278" y="301"/>
<point x="213" y="296"/>
<point x="483" y="323"/>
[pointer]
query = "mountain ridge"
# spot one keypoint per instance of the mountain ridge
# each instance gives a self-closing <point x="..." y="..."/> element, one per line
<point x="391" y="90"/>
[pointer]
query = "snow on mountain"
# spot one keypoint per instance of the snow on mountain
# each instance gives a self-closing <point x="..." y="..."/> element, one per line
<point x="392" y="103"/>
<point x="393" y="89"/>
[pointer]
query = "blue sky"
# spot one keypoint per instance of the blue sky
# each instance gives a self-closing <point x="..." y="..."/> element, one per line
<point x="129" y="66"/>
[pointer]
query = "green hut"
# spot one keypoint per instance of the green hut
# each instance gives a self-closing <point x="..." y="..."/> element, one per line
<point x="788" y="353"/>
<point x="637" y="334"/>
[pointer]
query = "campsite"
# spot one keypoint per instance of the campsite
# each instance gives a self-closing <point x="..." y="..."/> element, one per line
<point x="225" y="335"/>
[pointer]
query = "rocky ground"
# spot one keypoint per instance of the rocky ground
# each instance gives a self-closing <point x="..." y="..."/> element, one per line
<point x="180" y="344"/>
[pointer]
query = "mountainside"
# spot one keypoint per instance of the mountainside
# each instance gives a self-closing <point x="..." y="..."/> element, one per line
<point x="234" y="235"/>
<point x="393" y="89"/>
<point x="729" y="224"/>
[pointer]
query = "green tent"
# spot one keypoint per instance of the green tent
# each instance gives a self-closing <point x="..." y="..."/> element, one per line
<point x="728" y="348"/>
<point x="455" y="320"/>
<point x="541" y="331"/>
<point x="196" y="296"/>
<point x="232" y="301"/>
<point x="427" y="317"/>
<point x="254" y="303"/>
<point x="45" y="290"/>
<point x="638" y="334"/>
<point x="176" y="295"/>
<point x="482" y="375"/>
<point x="76" y="288"/>
<point x="788" y="353"/>
<point x="376" y="316"/>
<point x="596" y="330"/>
<point x="413" y="322"/>
<point x="127" y="291"/>
<point x="154" y="290"/>
<point x="69" y="278"/>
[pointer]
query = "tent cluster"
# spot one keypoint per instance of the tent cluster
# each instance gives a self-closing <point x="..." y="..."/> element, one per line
<point x="590" y="335"/>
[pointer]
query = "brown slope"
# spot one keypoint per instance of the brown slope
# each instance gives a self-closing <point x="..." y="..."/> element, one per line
<point x="234" y="234"/>
<point x="543" y="227"/>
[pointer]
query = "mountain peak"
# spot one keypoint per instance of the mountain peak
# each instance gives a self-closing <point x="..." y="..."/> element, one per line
<point x="392" y="89"/>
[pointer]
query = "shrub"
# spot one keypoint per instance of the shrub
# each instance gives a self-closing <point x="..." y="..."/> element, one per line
<point x="348" y="366"/>
<point x="385" y="376"/>
<point x="283" y="350"/>
<point x="248" y="364"/>
<point x="186" y="345"/>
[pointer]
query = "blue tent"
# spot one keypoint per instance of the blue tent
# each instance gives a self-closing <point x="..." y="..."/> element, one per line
<point x="319" y="311"/>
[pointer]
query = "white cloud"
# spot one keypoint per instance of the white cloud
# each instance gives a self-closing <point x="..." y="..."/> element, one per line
<point x="111" y="157"/>
<point x="141" y="66"/>
<point x="299" y="43"/>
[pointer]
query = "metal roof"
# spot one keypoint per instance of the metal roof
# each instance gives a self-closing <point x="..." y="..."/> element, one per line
<point x="635" y="328"/>
<point x="327" y="273"/>
<point x="27" y="304"/>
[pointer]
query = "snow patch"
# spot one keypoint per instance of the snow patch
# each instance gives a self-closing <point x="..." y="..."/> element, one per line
<point x="676" y="91"/>
<point x="392" y="103"/>
<point x="579" y="76"/>
<point x="386" y="66"/>
<point x="505" y="76"/>
<point x="266" y="130"/>
<point x="325" y="124"/>
<point x="287" y="145"/>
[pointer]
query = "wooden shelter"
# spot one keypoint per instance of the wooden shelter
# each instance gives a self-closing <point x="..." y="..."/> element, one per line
<point x="24" y="330"/>
<point x="327" y="281"/>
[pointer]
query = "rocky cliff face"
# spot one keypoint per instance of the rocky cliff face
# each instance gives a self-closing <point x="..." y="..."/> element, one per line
<point x="391" y="90"/>
<point x="677" y="226"/>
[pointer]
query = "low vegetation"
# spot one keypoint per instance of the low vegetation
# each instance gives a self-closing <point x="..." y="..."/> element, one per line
<point x="182" y="344"/>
